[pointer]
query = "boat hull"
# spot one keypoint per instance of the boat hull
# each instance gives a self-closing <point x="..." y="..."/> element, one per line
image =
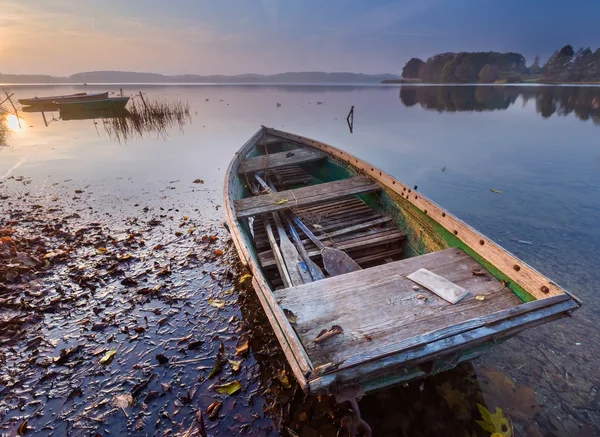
<point x="113" y="103"/>
<point x="427" y="354"/>
<point x="52" y="100"/>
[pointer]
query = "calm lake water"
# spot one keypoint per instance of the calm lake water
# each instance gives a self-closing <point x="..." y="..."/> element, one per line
<point x="538" y="146"/>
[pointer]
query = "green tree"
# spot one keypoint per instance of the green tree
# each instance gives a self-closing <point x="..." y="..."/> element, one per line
<point x="465" y="71"/>
<point x="411" y="69"/>
<point x="535" y="67"/>
<point x="489" y="74"/>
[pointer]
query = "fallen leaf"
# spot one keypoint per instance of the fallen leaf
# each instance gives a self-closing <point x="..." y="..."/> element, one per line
<point x="495" y="191"/>
<point x="122" y="401"/>
<point x="217" y="303"/>
<point x="218" y="252"/>
<point x="242" y="345"/>
<point x="283" y="379"/>
<point x="477" y="272"/>
<point x="281" y="201"/>
<point x="456" y="400"/>
<point x="217" y="367"/>
<point x="328" y="333"/>
<point x="101" y="249"/>
<point x="22" y="429"/>
<point x="213" y="410"/>
<point x="78" y="191"/>
<point x="230" y="388"/>
<point x="245" y="278"/>
<point x="235" y="365"/>
<point x="108" y="357"/>
<point x="479" y="297"/>
<point x="494" y="423"/>
<point x="317" y="226"/>
<point x="420" y="296"/>
<point x="290" y="316"/>
<point x="198" y="181"/>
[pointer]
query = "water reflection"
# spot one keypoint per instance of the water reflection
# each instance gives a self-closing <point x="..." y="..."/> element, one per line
<point x="584" y="102"/>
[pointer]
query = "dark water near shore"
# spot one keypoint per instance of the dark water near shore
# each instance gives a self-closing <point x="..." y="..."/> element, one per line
<point x="538" y="146"/>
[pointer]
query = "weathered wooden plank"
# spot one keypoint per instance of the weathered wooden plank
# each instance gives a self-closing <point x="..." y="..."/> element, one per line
<point x="363" y="372"/>
<point x="266" y="258"/>
<point x="266" y="203"/>
<point x="439" y="285"/>
<point x="378" y="255"/>
<point x="378" y="307"/>
<point x="419" y="340"/>
<point x="354" y="228"/>
<point x="319" y="207"/>
<point x="281" y="159"/>
<point x="281" y="267"/>
<point x="296" y="268"/>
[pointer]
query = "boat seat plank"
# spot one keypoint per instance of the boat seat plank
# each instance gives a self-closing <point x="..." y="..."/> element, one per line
<point x="280" y="159"/>
<point x="378" y="307"/>
<point x="267" y="203"/>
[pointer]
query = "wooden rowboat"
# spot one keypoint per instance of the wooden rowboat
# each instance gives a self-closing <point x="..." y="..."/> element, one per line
<point x="77" y="97"/>
<point x="372" y="327"/>
<point x="110" y="103"/>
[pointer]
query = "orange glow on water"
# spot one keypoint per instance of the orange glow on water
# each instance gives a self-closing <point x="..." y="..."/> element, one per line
<point x="15" y="123"/>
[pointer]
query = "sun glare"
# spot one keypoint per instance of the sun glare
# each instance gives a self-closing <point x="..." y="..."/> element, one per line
<point x="15" y="123"/>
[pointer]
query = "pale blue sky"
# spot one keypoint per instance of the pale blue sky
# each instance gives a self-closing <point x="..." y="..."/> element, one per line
<point x="62" y="37"/>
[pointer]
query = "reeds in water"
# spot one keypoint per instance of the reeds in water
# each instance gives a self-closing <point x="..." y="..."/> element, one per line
<point x="147" y="117"/>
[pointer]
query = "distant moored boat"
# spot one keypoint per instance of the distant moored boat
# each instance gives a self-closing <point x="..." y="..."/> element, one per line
<point x="77" y="97"/>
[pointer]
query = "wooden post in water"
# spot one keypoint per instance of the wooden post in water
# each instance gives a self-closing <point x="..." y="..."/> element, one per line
<point x="350" y="119"/>
<point x="8" y="97"/>
<point x="143" y="101"/>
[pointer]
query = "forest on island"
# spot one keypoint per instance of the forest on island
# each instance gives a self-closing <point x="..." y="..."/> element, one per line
<point x="565" y="65"/>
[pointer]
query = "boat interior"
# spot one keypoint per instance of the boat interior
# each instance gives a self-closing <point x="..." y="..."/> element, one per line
<point x="377" y="307"/>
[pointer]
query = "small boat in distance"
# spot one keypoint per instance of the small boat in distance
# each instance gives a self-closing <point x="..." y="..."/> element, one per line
<point x="366" y="282"/>
<point x="110" y="103"/>
<point x="77" y="97"/>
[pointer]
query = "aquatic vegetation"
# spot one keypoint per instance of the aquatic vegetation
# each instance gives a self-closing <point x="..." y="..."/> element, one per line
<point x="147" y="117"/>
<point x="3" y="127"/>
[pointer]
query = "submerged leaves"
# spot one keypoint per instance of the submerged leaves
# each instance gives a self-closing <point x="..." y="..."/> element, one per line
<point x="494" y="423"/>
<point x="217" y="303"/>
<point x="108" y="357"/>
<point x="229" y="388"/>
<point x="242" y="345"/>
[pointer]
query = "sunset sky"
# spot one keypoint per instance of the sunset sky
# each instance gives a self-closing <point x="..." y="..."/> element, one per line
<point x="62" y="37"/>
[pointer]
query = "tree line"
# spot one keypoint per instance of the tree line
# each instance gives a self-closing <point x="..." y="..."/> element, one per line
<point x="565" y="65"/>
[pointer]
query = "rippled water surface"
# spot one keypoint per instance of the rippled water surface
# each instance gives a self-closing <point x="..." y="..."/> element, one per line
<point x="539" y="147"/>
